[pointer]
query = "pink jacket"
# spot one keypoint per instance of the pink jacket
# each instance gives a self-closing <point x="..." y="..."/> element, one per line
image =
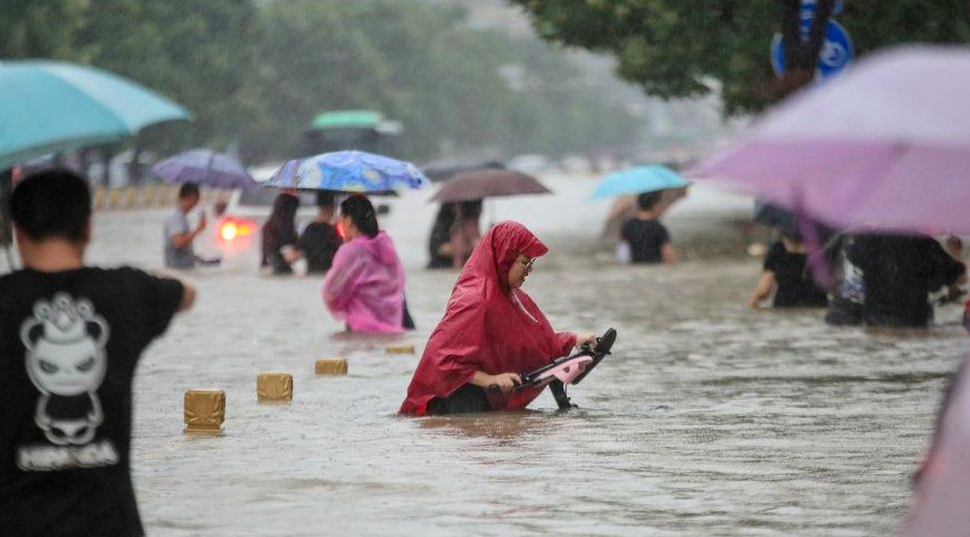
<point x="365" y="285"/>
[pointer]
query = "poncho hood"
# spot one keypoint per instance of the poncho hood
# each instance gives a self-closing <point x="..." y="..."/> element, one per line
<point x="380" y="247"/>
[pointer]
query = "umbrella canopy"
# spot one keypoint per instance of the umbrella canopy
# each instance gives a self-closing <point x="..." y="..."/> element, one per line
<point x="638" y="179"/>
<point x="943" y="490"/>
<point x="47" y="107"/>
<point x="443" y="170"/>
<point x="353" y="172"/>
<point x="480" y="184"/>
<point x="347" y="119"/>
<point x="204" y="167"/>
<point x="886" y="146"/>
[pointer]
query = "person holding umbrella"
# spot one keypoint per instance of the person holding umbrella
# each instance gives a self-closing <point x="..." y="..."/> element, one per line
<point x="462" y="198"/>
<point x="647" y="239"/>
<point x="319" y="241"/>
<point x="466" y="232"/>
<point x="643" y="239"/>
<point x="365" y="285"/>
<point x="279" y="237"/>
<point x="439" y="240"/>
<point x="191" y="169"/>
<point x="179" y="236"/>
<point x="358" y="296"/>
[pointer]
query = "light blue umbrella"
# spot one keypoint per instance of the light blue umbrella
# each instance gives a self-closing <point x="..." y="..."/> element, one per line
<point x="638" y="179"/>
<point x="348" y="171"/>
<point x="47" y="107"/>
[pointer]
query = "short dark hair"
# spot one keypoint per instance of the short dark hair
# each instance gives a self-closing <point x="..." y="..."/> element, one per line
<point x="647" y="200"/>
<point x="361" y="213"/>
<point x="188" y="189"/>
<point x="325" y="199"/>
<point x="52" y="203"/>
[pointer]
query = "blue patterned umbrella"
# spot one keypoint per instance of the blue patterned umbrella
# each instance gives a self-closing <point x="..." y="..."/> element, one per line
<point x="348" y="171"/>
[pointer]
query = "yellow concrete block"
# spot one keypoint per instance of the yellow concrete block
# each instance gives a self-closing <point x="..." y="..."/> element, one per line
<point x="114" y="198"/>
<point x="161" y="196"/>
<point x="274" y="387"/>
<point x="399" y="349"/>
<point x="99" y="198"/>
<point x="331" y="366"/>
<point x="147" y="196"/>
<point x="205" y="410"/>
<point x="131" y="196"/>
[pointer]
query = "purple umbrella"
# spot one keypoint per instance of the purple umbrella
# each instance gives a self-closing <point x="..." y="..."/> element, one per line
<point x="886" y="146"/>
<point x="480" y="184"/>
<point x="204" y="167"/>
<point x="943" y="490"/>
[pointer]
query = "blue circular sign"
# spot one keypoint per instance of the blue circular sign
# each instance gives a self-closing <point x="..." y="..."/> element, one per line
<point x="837" y="52"/>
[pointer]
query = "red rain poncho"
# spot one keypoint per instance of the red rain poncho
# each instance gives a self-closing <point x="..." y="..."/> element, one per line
<point x="488" y="327"/>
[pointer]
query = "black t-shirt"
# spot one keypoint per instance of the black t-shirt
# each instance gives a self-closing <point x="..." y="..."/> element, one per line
<point x="795" y="286"/>
<point x="899" y="272"/>
<point x="319" y="243"/>
<point x="646" y="239"/>
<point x="69" y="344"/>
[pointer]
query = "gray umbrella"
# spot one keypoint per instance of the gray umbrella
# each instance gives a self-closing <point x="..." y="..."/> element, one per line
<point x="204" y="167"/>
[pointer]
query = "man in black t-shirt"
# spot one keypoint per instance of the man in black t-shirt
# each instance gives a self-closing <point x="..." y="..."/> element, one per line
<point x="899" y="273"/>
<point x="70" y="339"/>
<point x="648" y="239"/>
<point x="320" y="241"/>
<point x="786" y="271"/>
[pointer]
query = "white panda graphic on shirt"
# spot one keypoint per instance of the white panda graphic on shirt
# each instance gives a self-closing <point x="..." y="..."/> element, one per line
<point x="66" y="361"/>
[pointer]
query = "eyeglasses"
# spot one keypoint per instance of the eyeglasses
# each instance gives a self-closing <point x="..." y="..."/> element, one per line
<point x="528" y="263"/>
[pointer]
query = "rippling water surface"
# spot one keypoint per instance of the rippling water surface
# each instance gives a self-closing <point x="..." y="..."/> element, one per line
<point x="709" y="419"/>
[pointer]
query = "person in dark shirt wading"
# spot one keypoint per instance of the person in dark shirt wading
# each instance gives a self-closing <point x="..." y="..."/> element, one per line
<point x="70" y="339"/>
<point x="319" y="241"/>
<point x="648" y="239"/>
<point x="786" y="271"/>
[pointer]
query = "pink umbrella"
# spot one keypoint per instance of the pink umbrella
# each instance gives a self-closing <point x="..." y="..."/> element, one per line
<point x="885" y="146"/>
<point x="943" y="492"/>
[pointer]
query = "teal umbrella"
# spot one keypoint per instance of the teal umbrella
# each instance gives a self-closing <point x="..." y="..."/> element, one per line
<point x="47" y="107"/>
<point x="638" y="179"/>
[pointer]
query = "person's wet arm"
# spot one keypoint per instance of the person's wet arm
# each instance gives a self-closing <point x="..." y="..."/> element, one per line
<point x="762" y="290"/>
<point x="944" y="270"/>
<point x="668" y="254"/>
<point x="188" y="296"/>
<point x="565" y="341"/>
<point x="505" y="381"/>
<point x="185" y="237"/>
<point x="188" y="290"/>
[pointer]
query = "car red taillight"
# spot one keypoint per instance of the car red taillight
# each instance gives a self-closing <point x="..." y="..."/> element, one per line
<point x="232" y="229"/>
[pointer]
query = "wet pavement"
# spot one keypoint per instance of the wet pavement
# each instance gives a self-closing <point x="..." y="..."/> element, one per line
<point x="709" y="419"/>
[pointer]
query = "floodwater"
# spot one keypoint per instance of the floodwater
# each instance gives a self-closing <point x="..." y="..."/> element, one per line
<point x="709" y="419"/>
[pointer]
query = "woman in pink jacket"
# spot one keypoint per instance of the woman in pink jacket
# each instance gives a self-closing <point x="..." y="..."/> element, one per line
<point x="365" y="285"/>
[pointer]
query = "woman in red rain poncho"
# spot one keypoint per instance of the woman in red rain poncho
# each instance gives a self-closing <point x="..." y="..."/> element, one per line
<point x="491" y="332"/>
